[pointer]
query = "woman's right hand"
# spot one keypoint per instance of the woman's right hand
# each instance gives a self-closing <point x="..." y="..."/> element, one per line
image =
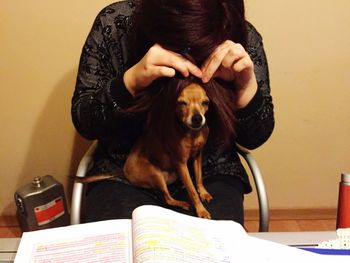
<point x="157" y="62"/>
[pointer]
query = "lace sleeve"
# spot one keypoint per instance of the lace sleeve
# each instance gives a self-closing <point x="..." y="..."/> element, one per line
<point x="100" y="94"/>
<point x="256" y="121"/>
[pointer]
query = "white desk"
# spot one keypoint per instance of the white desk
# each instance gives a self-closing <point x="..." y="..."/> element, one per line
<point x="8" y="246"/>
<point x="8" y="249"/>
<point x="297" y="238"/>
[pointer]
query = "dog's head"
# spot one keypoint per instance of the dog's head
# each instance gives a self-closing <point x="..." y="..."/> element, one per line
<point x="191" y="106"/>
<point x="170" y="100"/>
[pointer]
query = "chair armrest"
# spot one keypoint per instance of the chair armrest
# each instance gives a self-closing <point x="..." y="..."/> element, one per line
<point x="264" y="211"/>
<point x="78" y="188"/>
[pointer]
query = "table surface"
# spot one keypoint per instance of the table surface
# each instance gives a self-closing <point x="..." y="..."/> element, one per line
<point x="297" y="238"/>
<point x="8" y="246"/>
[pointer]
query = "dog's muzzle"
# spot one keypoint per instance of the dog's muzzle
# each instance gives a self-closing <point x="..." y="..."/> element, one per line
<point x="197" y="121"/>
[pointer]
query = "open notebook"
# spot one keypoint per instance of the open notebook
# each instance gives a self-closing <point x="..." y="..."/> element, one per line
<point x="157" y="234"/>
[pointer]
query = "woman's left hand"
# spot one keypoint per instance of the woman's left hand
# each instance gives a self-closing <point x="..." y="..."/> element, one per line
<point x="230" y="62"/>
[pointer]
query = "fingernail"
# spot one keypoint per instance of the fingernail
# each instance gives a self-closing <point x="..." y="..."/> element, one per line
<point x="205" y="79"/>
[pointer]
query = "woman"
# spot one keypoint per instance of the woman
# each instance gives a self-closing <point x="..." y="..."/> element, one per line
<point x="134" y="43"/>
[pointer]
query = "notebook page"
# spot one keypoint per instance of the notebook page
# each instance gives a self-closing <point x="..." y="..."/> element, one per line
<point x="105" y="241"/>
<point x="161" y="235"/>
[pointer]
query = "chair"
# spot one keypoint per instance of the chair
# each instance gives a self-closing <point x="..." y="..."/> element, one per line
<point x="87" y="161"/>
<point x="264" y="210"/>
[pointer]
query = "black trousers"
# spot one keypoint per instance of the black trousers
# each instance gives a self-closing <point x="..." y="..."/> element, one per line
<point x="116" y="200"/>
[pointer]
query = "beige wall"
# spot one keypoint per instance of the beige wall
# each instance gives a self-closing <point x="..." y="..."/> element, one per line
<point x="307" y="43"/>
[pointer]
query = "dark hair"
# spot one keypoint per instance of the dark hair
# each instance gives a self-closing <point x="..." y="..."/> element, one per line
<point x="198" y="25"/>
<point x="177" y="25"/>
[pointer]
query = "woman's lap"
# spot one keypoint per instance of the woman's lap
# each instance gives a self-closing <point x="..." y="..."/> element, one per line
<point x="115" y="200"/>
<point x="112" y="199"/>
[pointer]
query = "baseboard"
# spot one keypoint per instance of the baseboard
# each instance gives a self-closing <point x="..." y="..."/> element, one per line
<point x="294" y="214"/>
<point x="8" y="221"/>
<point x="249" y="214"/>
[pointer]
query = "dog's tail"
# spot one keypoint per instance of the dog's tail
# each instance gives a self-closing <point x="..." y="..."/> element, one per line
<point x="94" y="178"/>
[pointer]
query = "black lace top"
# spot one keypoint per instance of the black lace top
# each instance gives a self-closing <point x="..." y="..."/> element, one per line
<point x="100" y="98"/>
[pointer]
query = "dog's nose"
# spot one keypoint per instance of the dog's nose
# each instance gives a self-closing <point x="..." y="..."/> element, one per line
<point x="196" y="120"/>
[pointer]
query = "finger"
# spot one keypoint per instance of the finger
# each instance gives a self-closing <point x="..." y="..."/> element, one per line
<point x="181" y="64"/>
<point x="156" y="72"/>
<point x="185" y="66"/>
<point x="193" y="69"/>
<point x="234" y="54"/>
<point x="243" y="64"/>
<point x="164" y="57"/>
<point x="162" y="71"/>
<point x="213" y="63"/>
<point x="217" y="50"/>
<point x="215" y="59"/>
<point x="229" y="59"/>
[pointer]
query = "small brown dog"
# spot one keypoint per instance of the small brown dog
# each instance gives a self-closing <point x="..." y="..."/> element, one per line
<point x="151" y="165"/>
<point x="172" y="138"/>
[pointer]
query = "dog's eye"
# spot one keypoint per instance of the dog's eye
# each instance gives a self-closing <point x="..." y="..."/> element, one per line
<point x="205" y="103"/>
<point x="182" y="103"/>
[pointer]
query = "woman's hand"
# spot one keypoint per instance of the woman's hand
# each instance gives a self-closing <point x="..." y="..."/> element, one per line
<point x="157" y="62"/>
<point x="230" y="62"/>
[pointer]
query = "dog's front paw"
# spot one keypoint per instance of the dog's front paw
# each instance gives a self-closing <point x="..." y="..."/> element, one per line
<point x="204" y="195"/>
<point x="182" y="204"/>
<point x="203" y="213"/>
<point x="185" y="205"/>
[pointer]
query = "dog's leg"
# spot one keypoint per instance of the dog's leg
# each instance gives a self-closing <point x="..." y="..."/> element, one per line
<point x="197" y="166"/>
<point x="186" y="179"/>
<point x="141" y="172"/>
<point x="160" y="184"/>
